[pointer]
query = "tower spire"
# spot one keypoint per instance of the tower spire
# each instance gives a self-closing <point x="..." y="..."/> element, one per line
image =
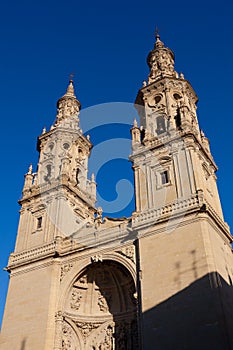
<point x="70" y="89"/>
<point x="160" y="61"/>
<point x="68" y="107"/>
<point x="158" y="42"/>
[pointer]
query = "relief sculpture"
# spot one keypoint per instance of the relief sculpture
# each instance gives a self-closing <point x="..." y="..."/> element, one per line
<point x="76" y="297"/>
<point x="101" y="307"/>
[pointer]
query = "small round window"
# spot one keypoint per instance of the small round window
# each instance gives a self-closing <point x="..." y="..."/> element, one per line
<point x="176" y="96"/>
<point x="158" y="98"/>
<point x="66" y="145"/>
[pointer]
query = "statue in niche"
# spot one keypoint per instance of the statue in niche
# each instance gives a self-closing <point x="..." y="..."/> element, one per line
<point x="161" y="127"/>
<point x="67" y="108"/>
<point x="77" y="176"/>
<point x="154" y="68"/>
<point x="49" y="172"/>
<point x="178" y="118"/>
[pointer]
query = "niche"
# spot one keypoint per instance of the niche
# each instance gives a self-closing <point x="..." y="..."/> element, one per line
<point x="178" y="119"/>
<point x="48" y="175"/>
<point x="161" y="126"/>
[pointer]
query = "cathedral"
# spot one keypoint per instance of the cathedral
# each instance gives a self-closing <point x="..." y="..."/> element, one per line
<point x="158" y="280"/>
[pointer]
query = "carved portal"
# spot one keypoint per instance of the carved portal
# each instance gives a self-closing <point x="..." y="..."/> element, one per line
<point x="102" y="309"/>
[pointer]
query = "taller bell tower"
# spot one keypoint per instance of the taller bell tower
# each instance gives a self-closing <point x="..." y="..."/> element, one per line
<point x="186" y="265"/>
<point x="178" y="162"/>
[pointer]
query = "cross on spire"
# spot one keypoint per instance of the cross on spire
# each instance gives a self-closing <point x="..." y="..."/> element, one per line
<point x="157" y="32"/>
<point x="71" y="76"/>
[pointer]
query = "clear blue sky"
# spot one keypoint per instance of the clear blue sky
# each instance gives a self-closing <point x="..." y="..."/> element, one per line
<point x="105" y="44"/>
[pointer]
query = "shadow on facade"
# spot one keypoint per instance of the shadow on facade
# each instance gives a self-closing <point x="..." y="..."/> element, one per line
<point x="108" y="317"/>
<point x="117" y="295"/>
<point x="23" y="344"/>
<point x="198" y="317"/>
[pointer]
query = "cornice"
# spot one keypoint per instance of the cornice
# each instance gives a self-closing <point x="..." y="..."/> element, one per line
<point x="85" y="241"/>
<point x="179" y="208"/>
<point x="60" y="184"/>
<point x="155" y="143"/>
<point x="163" y="81"/>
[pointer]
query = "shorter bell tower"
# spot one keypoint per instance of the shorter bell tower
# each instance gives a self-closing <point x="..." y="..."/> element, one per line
<point x="60" y="187"/>
<point x="57" y="201"/>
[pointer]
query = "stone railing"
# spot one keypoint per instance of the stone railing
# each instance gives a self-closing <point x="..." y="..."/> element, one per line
<point x="180" y="206"/>
<point x="31" y="254"/>
<point x="84" y="239"/>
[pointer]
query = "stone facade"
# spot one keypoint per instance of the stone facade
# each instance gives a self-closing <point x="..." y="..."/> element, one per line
<point x="161" y="279"/>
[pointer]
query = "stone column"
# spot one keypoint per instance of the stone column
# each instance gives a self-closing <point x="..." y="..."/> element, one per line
<point x="58" y="331"/>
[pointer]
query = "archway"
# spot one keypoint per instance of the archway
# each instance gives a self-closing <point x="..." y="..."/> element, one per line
<point x="101" y="309"/>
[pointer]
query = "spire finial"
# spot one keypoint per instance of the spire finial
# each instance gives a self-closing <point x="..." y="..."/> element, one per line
<point x="158" y="42"/>
<point x="30" y="169"/>
<point x="160" y="60"/>
<point x="68" y="107"/>
<point x="70" y="88"/>
<point x="157" y="36"/>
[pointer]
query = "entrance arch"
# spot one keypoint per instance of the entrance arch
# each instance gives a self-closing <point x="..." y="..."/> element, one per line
<point x="102" y="308"/>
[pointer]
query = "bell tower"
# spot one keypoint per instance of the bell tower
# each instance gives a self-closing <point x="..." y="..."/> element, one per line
<point x="178" y="162"/>
<point x="57" y="201"/>
<point x="183" y="242"/>
<point x="60" y="187"/>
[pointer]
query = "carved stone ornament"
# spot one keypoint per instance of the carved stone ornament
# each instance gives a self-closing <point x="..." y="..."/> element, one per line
<point x="106" y="341"/>
<point x="58" y="316"/>
<point x="128" y="252"/>
<point x="87" y="327"/>
<point x="76" y="297"/>
<point x="66" y="337"/>
<point x="68" y="108"/>
<point x="103" y="300"/>
<point x="97" y="258"/>
<point x="100" y="308"/>
<point x="64" y="269"/>
<point x="83" y="279"/>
